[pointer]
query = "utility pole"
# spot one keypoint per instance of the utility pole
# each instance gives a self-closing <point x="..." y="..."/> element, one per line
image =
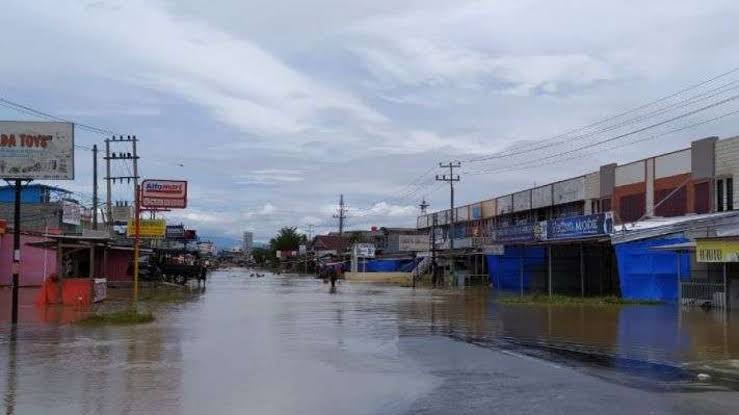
<point x="433" y="248"/>
<point x="16" y="252"/>
<point x="109" y="186"/>
<point x="95" y="186"/>
<point x="451" y="179"/>
<point x="424" y="205"/>
<point x="341" y="215"/>
<point x="124" y="157"/>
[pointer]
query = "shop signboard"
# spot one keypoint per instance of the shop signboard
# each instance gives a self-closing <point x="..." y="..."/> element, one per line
<point x="517" y="233"/>
<point x="164" y="194"/>
<point x="579" y="226"/>
<point x="71" y="213"/>
<point x="413" y="243"/>
<point x="148" y="228"/>
<point x="37" y="150"/>
<point x="717" y="250"/>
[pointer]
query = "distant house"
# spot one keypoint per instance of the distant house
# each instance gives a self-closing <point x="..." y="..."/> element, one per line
<point x="330" y="245"/>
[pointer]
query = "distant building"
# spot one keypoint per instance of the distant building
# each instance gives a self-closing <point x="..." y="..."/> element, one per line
<point x="45" y="208"/>
<point x="247" y="245"/>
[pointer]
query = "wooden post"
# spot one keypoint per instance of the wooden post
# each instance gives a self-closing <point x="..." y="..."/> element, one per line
<point x="91" y="272"/>
<point x="726" y="290"/>
<point x="549" y="268"/>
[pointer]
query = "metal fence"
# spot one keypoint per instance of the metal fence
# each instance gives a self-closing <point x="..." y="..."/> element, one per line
<point x="703" y="293"/>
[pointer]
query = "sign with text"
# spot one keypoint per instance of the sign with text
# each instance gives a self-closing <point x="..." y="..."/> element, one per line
<point x="164" y="194"/>
<point x="413" y="243"/>
<point x="579" y="226"/>
<point x="364" y="250"/>
<point x="175" y="232"/>
<point x="71" y="213"/>
<point x="716" y="250"/>
<point x="517" y="233"/>
<point x="37" y="150"/>
<point x="148" y="228"/>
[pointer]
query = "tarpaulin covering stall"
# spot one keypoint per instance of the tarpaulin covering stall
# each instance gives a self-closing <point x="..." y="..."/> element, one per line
<point x="505" y="270"/>
<point x="649" y="274"/>
<point x="387" y="265"/>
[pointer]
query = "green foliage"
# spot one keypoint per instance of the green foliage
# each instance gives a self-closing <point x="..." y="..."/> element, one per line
<point x="261" y="255"/>
<point x="287" y="239"/>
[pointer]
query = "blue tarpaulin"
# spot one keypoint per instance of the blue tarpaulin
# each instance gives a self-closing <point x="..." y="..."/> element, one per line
<point x="505" y="270"/>
<point x="387" y="265"/>
<point x="649" y="274"/>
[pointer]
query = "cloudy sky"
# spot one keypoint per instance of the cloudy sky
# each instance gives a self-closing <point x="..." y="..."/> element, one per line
<point x="273" y="108"/>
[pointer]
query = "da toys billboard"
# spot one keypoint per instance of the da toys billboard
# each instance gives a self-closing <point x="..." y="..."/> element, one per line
<point x="37" y="150"/>
<point x="164" y="194"/>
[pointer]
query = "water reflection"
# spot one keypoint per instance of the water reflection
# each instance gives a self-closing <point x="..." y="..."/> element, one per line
<point x="273" y="344"/>
<point x="11" y="377"/>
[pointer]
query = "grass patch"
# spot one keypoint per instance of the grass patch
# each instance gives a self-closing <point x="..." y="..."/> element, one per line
<point x="163" y="296"/>
<point x="119" y="318"/>
<point x="567" y="300"/>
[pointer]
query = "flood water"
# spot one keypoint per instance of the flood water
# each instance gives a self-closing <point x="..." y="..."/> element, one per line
<point x="286" y="344"/>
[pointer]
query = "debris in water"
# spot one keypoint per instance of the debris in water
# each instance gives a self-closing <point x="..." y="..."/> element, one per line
<point x="704" y="377"/>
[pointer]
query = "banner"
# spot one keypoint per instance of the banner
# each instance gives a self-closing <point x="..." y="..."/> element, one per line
<point x="413" y="243"/>
<point x="148" y="228"/>
<point x="716" y="250"/>
<point x="37" y="150"/>
<point x="579" y="226"/>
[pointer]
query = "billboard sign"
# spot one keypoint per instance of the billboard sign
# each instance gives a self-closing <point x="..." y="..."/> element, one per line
<point x="716" y="250"/>
<point x="175" y="232"/>
<point x="148" y="228"/>
<point x="37" y="150"/>
<point x="164" y="194"/>
<point x="364" y="250"/>
<point x="71" y="213"/>
<point x="579" y="226"/>
<point x="413" y="243"/>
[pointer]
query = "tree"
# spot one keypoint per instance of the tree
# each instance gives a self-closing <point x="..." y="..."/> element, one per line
<point x="260" y="255"/>
<point x="287" y="239"/>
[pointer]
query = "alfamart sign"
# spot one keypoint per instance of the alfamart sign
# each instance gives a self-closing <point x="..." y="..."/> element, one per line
<point x="37" y="150"/>
<point x="164" y="194"/>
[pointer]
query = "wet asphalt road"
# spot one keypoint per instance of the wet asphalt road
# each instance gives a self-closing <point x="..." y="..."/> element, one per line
<point x="286" y="345"/>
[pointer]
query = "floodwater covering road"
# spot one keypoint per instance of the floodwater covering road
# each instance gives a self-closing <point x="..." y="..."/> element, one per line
<point x="286" y="345"/>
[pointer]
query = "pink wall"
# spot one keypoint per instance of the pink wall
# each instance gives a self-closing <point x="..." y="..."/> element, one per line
<point x="32" y="260"/>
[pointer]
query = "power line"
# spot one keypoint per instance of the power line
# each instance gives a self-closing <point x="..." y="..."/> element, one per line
<point x="32" y="111"/>
<point x="630" y="133"/>
<point x="539" y="145"/>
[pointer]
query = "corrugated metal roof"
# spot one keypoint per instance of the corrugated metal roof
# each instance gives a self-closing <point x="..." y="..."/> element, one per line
<point x="651" y="228"/>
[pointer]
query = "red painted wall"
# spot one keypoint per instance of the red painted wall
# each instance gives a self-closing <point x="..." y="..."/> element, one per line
<point x="32" y="261"/>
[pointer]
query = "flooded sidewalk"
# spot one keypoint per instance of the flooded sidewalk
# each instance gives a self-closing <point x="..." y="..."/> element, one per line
<point x="286" y="344"/>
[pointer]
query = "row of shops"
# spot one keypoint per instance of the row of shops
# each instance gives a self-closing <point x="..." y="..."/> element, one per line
<point x="603" y="233"/>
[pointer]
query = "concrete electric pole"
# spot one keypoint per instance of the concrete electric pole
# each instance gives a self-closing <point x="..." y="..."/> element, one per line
<point x="341" y="214"/>
<point x="450" y="179"/>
